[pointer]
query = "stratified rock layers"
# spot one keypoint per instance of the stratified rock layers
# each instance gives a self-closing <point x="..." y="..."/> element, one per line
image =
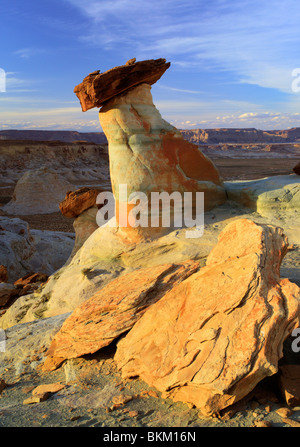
<point x="150" y="155"/>
<point x="213" y="337"/>
<point x="114" y="310"/>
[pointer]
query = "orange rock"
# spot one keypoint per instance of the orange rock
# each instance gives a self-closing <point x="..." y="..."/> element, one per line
<point x="97" y="88"/>
<point x="48" y="388"/>
<point x="113" y="310"/>
<point x="78" y="201"/>
<point x="31" y="278"/>
<point x="214" y="336"/>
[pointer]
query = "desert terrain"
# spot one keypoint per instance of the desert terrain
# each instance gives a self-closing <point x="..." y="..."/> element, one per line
<point x="103" y="399"/>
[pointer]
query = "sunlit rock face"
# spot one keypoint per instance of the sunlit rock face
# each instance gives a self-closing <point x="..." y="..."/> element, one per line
<point x="150" y="155"/>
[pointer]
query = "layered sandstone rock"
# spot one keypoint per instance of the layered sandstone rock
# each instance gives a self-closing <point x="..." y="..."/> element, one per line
<point x="280" y="193"/>
<point x="76" y="202"/>
<point x="38" y="192"/>
<point x="97" y="88"/>
<point x="113" y="310"/>
<point x="213" y="337"/>
<point x="149" y="155"/>
<point x="146" y="153"/>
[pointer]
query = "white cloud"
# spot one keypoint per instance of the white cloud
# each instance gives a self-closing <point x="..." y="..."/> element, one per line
<point x="257" y="41"/>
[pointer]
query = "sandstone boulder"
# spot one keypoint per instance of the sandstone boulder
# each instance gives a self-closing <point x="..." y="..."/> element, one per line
<point x="38" y="192"/>
<point x="113" y="310"/>
<point x="214" y="336"/>
<point x="97" y="88"/>
<point x="76" y="202"/>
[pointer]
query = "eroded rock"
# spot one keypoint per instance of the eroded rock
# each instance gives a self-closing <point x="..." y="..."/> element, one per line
<point x="213" y="337"/>
<point x="113" y="310"/>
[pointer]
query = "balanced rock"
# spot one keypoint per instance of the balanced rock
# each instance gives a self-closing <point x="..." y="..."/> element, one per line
<point x="38" y="192"/>
<point x="296" y="169"/>
<point x="97" y="88"/>
<point x="76" y="202"/>
<point x="215" y="335"/>
<point x="147" y="154"/>
<point x="113" y="310"/>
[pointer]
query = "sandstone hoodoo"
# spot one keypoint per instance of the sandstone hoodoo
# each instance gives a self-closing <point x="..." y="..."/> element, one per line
<point x="146" y="152"/>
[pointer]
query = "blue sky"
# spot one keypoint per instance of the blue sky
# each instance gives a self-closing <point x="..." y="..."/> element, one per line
<point x="231" y="61"/>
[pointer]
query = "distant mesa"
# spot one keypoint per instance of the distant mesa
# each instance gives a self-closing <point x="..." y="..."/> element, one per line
<point x="97" y="88"/>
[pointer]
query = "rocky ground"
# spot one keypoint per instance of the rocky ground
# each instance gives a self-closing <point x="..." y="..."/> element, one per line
<point x="93" y="394"/>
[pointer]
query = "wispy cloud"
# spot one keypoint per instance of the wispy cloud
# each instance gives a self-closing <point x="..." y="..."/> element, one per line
<point x="27" y="53"/>
<point x="257" y="41"/>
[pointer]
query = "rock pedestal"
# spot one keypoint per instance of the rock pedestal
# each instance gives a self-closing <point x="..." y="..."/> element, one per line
<point x="149" y="155"/>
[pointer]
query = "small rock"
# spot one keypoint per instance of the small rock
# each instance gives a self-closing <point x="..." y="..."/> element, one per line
<point x="268" y="408"/>
<point x="48" y="388"/>
<point x="284" y="412"/>
<point x="262" y="424"/>
<point x="36" y="399"/>
<point x="133" y="413"/>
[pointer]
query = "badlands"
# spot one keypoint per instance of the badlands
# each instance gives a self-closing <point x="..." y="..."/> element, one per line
<point x="131" y="326"/>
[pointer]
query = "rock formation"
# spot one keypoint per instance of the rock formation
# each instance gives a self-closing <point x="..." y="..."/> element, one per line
<point x="76" y="202"/>
<point x="146" y="153"/>
<point x="114" y="310"/>
<point x="81" y="204"/>
<point x="38" y="192"/>
<point x="97" y="88"/>
<point x="267" y="195"/>
<point x="213" y="337"/>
